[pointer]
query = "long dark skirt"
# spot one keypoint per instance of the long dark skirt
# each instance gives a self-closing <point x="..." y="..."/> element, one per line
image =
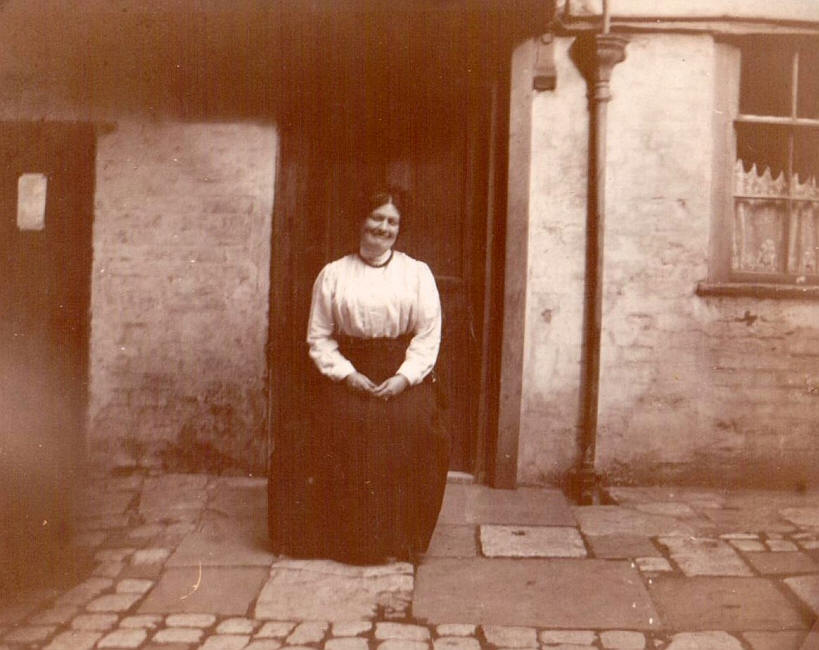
<point x="371" y="474"/>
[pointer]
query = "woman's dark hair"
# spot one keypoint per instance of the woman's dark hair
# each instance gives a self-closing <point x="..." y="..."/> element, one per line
<point x="389" y="195"/>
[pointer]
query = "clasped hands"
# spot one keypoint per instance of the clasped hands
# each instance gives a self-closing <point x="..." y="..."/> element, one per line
<point x="391" y="387"/>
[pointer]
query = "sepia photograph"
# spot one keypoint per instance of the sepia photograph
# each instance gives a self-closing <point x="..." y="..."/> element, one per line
<point x="409" y="325"/>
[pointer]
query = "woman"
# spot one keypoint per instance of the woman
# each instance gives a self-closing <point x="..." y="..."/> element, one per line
<point x="373" y="334"/>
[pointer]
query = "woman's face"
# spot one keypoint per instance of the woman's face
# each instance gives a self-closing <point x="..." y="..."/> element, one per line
<point x="380" y="228"/>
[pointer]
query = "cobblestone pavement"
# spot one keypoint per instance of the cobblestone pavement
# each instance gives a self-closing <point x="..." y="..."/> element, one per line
<point x="180" y="561"/>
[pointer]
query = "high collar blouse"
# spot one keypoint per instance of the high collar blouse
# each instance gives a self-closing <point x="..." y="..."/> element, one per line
<point x="353" y="298"/>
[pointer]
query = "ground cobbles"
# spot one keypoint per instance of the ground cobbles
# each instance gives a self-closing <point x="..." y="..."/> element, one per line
<point x="134" y="544"/>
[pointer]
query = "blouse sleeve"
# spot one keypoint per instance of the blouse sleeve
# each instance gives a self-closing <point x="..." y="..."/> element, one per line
<point x="422" y="351"/>
<point x="320" y="328"/>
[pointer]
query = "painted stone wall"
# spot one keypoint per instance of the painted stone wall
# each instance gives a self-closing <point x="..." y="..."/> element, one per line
<point x="693" y="389"/>
<point x="180" y="294"/>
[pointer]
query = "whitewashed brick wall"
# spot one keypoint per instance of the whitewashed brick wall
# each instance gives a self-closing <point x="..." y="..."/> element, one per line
<point x="180" y="293"/>
<point x="693" y="389"/>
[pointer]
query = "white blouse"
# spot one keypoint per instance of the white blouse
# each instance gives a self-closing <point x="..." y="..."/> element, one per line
<point x="359" y="300"/>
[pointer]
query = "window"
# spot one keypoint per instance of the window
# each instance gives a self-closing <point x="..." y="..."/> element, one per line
<point x="775" y="211"/>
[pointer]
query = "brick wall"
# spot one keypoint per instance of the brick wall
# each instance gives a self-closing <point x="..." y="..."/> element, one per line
<point x="693" y="389"/>
<point x="180" y="294"/>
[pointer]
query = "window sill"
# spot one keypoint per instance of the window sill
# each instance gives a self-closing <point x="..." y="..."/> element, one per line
<point x="759" y="290"/>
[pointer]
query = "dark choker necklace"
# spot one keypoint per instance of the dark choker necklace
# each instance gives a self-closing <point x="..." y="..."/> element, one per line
<point x="375" y="266"/>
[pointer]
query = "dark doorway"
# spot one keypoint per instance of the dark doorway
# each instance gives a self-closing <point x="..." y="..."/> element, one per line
<point x="406" y="97"/>
<point x="45" y="265"/>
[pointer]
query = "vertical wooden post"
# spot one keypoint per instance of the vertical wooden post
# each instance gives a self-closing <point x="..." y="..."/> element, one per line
<point x="595" y="55"/>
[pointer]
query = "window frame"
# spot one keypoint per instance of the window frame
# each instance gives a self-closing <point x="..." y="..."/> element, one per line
<point x="722" y="278"/>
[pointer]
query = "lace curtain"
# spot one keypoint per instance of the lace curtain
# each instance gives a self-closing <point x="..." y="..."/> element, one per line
<point x="776" y="222"/>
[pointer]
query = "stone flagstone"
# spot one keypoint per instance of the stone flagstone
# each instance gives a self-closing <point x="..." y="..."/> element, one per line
<point x="782" y="563"/>
<point x="531" y="541"/>
<point x="705" y="556"/>
<point x="805" y="517"/>
<point x="614" y="520"/>
<point x="723" y="603"/>
<point x="559" y="593"/>
<point x="329" y="591"/>
<point x="220" y="590"/>
<point x="748" y="545"/>
<point x="453" y="541"/>
<point x="622" y="547"/>
<point x="478" y="504"/>
<point x="775" y="640"/>
<point x="807" y="588"/>
<point x="225" y="542"/>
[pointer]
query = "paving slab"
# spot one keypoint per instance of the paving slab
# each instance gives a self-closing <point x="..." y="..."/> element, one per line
<point x="225" y="541"/>
<point x="705" y="557"/>
<point x="561" y="593"/>
<point x="531" y="541"/>
<point x="723" y="603"/>
<point x="453" y="541"/>
<point x="805" y="517"/>
<point x="217" y="590"/>
<point x="637" y="495"/>
<point x="478" y="504"/>
<point x="782" y="563"/>
<point x="748" y="520"/>
<point x="774" y="640"/>
<point x="807" y="588"/>
<point x="619" y="547"/>
<point x="96" y="504"/>
<point x="615" y="520"/>
<point x="667" y="508"/>
<point x="238" y="499"/>
<point x="330" y="591"/>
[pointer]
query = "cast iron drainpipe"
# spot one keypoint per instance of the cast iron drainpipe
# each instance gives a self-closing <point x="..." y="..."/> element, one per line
<point x="595" y="55"/>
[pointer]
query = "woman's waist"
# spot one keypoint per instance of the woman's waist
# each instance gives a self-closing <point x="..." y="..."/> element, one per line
<point x="373" y="343"/>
